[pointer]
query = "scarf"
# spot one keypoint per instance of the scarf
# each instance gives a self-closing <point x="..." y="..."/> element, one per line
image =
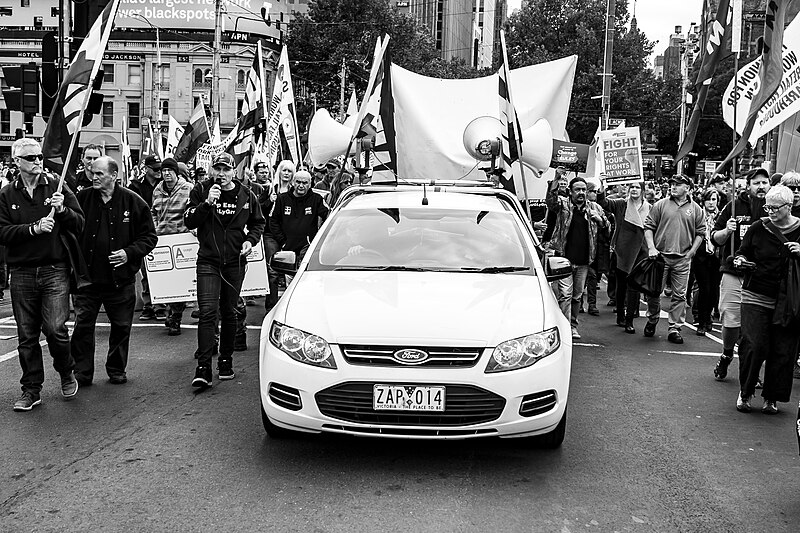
<point x="711" y="217"/>
<point x="637" y="216"/>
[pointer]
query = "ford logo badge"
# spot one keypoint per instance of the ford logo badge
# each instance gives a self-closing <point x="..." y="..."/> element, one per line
<point x="410" y="356"/>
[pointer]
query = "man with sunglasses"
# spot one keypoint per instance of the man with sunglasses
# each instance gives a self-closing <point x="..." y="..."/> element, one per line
<point x="40" y="272"/>
<point x="792" y="180"/>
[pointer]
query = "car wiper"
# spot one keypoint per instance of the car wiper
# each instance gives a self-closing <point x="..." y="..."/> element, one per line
<point x="495" y="269"/>
<point x="388" y="268"/>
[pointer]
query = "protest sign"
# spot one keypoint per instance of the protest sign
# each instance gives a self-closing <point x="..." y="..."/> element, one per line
<point x="172" y="275"/>
<point x="206" y="153"/>
<point x="622" y="155"/>
<point x="572" y="156"/>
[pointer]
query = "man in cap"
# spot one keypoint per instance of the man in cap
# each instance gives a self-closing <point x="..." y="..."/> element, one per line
<point x="228" y="220"/>
<point x="118" y="234"/>
<point x="720" y="183"/>
<point x="732" y="223"/>
<point x="170" y="199"/>
<point x="674" y="229"/>
<point x="145" y="188"/>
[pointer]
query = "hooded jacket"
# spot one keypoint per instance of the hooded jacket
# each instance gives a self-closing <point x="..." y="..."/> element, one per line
<point x="223" y="244"/>
<point x="748" y="209"/>
<point x="293" y="221"/>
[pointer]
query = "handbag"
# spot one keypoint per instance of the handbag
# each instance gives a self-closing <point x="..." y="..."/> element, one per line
<point x="647" y="276"/>
<point x="787" y="308"/>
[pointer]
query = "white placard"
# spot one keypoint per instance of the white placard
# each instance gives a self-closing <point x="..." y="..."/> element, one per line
<point x="621" y="150"/>
<point x="172" y="273"/>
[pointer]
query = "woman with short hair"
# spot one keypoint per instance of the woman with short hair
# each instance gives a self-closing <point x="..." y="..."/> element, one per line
<point x="765" y="257"/>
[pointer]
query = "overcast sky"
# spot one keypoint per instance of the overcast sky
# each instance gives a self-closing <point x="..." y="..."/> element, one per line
<point x="657" y="18"/>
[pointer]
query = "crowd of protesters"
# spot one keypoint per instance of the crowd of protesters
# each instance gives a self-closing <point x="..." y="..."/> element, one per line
<point x="83" y="242"/>
<point x="725" y="254"/>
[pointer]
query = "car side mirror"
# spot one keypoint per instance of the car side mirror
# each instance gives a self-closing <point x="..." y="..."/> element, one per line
<point x="558" y="268"/>
<point x="284" y="262"/>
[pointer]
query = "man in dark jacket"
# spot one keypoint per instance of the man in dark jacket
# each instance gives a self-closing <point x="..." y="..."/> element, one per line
<point x="145" y="188"/>
<point x="296" y="215"/>
<point x="118" y="234"/>
<point x="229" y="223"/>
<point x="34" y="220"/>
<point x="732" y="224"/>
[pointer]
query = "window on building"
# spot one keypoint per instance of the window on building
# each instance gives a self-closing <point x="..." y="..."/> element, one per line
<point x="198" y="76"/>
<point x="25" y="3"/>
<point x="133" y="115"/>
<point x="5" y="121"/>
<point x="108" y="114"/>
<point x="165" y="109"/>
<point x="134" y="74"/>
<point x="108" y="73"/>
<point x="239" y="105"/>
<point x="28" y="123"/>
<point x="166" y="76"/>
<point x="195" y="102"/>
<point x="202" y="77"/>
<point x="240" y="79"/>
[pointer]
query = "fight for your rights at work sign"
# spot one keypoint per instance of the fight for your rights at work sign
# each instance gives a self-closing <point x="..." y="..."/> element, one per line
<point x="621" y="150"/>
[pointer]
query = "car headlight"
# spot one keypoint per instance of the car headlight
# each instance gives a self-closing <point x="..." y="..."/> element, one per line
<point x="523" y="351"/>
<point x="302" y="346"/>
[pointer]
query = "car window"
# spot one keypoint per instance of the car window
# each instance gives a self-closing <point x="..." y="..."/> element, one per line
<point x="422" y="238"/>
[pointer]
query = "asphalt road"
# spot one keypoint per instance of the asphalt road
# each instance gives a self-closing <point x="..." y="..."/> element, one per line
<point x="653" y="444"/>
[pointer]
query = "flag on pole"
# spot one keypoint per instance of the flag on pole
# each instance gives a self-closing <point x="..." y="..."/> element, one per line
<point x="367" y="112"/>
<point x="511" y="131"/>
<point x="194" y="135"/>
<point x="67" y="114"/>
<point x="174" y="135"/>
<point x="249" y="122"/>
<point x="383" y="158"/>
<point x="770" y="73"/>
<point x="716" y="37"/>
<point x="352" y="106"/>
<point x="282" y="113"/>
<point x="155" y="144"/>
<point x="125" y="148"/>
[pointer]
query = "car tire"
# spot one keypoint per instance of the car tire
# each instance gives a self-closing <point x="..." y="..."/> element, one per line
<point x="275" y="432"/>
<point x="549" y="441"/>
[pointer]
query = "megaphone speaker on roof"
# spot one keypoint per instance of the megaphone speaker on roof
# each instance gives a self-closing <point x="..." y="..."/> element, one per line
<point x="327" y="138"/>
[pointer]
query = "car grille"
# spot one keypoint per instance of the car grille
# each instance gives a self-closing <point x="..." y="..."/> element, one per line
<point x="536" y="404"/>
<point x="411" y="432"/>
<point x="464" y="405"/>
<point x="438" y="357"/>
<point x="286" y="397"/>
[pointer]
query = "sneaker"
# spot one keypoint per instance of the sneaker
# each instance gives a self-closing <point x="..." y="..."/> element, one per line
<point x="202" y="377"/>
<point x="721" y="370"/>
<point x="225" y="367"/>
<point x="701" y="331"/>
<point x="743" y="403"/>
<point x="675" y="337"/>
<point x="575" y="334"/>
<point x="630" y="329"/>
<point x="161" y="314"/>
<point x="796" y="372"/>
<point x="650" y="329"/>
<point x="174" y="329"/>
<point x="27" y="401"/>
<point x="611" y="303"/>
<point x="621" y="323"/>
<point x="148" y="313"/>
<point x="770" y="407"/>
<point x="118" y="379"/>
<point x="69" y="385"/>
<point x="594" y="311"/>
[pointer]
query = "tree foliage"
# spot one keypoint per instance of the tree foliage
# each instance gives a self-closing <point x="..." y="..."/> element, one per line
<point x="336" y="30"/>
<point x="544" y="30"/>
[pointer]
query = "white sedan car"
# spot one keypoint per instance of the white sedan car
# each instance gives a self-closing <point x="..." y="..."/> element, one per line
<point x="423" y="313"/>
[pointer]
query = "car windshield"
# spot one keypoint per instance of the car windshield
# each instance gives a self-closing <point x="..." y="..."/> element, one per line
<point x="423" y="239"/>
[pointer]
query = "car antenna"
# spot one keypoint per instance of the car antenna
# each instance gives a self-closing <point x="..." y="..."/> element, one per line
<point x="424" y="195"/>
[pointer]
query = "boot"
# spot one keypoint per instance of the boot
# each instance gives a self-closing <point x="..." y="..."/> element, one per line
<point x="721" y="370"/>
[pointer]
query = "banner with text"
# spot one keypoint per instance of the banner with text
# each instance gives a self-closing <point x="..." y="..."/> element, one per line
<point x="622" y="155"/>
<point x="172" y="274"/>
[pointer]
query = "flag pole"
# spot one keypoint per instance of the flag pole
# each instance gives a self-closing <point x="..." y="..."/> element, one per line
<point x="74" y="140"/>
<point x="517" y="133"/>
<point x="736" y="48"/>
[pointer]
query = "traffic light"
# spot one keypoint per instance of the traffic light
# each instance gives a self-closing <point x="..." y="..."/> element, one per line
<point x="49" y="72"/>
<point x="30" y="88"/>
<point x="13" y="95"/>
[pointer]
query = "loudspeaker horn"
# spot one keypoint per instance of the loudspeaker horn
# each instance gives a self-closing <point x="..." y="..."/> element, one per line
<point x="481" y="138"/>
<point x="537" y="145"/>
<point x="327" y="138"/>
<point x="480" y="141"/>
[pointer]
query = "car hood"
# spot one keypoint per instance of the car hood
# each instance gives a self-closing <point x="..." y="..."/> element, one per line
<point x="432" y="308"/>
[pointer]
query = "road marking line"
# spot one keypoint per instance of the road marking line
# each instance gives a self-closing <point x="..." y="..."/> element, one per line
<point x="107" y="325"/>
<point x="15" y="353"/>
<point x="588" y="345"/>
<point x="704" y="354"/>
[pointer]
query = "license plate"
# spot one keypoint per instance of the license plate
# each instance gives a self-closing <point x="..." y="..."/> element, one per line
<point x="407" y="398"/>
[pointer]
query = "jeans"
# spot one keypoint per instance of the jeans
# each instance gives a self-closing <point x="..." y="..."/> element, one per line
<point x="119" y="303"/>
<point x="40" y="301"/>
<point x="676" y="276"/>
<point x="591" y="287"/>
<point x="271" y="246"/>
<point x="707" y="274"/>
<point x="175" y="312"/>
<point x="764" y="342"/>
<point x="218" y="288"/>
<point x="571" y="292"/>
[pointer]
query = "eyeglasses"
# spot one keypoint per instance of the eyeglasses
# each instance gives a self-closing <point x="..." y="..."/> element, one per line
<point x="32" y="157"/>
<point x="772" y="208"/>
<point x="794" y="187"/>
